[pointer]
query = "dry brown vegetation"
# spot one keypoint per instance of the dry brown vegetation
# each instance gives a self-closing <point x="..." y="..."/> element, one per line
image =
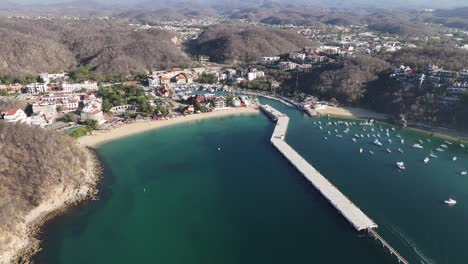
<point x="112" y="47"/>
<point x="234" y="42"/>
<point x="39" y="168"/>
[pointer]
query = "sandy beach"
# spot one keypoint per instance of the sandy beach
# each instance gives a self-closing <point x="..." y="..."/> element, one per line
<point x="351" y="112"/>
<point x="139" y="127"/>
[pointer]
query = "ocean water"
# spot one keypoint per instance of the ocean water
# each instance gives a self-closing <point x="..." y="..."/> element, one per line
<point x="216" y="191"/>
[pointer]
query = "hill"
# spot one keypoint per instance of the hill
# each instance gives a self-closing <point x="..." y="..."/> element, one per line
<point x="233" y="42"/>
<point x="448" y="58"/>
<point x="112" y="47"/>
<point x="42" y="171"/>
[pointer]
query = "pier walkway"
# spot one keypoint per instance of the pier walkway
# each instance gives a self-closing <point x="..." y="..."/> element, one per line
<point x="345" y="207"/>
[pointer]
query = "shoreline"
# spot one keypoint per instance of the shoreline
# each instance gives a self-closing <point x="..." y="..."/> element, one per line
<point x="34" y="222"/>
<point x="361" y="113"/>
<point x="99" y="138"/>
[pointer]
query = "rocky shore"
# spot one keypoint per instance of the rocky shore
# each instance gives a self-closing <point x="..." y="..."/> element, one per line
<point x="21" y="245"/>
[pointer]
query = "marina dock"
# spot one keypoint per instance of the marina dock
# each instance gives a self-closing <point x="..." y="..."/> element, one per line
<point x="351" y="212"/>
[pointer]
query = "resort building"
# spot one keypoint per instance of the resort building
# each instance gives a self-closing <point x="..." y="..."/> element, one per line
<point x="219" y="103"/>
<point x="73" y="87"/>
<point x="14" y="115"/>
<point x="36" y="88"/>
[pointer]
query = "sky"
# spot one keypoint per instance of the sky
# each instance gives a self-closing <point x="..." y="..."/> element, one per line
<point x="337" y="3"/>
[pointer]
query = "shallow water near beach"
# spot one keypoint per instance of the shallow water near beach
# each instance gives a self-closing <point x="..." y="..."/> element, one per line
<point x="216" y="191"/>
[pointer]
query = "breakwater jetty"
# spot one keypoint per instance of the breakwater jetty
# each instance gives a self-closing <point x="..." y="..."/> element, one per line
<point x="351" y="212"/>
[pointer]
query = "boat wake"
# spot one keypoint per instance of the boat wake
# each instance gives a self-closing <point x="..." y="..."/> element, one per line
<point x="423" y="259"/>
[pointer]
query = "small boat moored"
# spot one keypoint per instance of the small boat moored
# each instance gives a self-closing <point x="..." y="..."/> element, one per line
<point x="401" y="165"/>
<point x="426" y="160"/>
<point x="450" y="201"/>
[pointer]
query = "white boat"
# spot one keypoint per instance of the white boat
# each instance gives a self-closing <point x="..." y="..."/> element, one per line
<point x="371" y="152"/>
<point x="448" y="143"/>
<point x="417" y="146"/>
<point x="356" y="136"/>
<point x="393" y="129"/>
<point x="325" y="138"/>
<point x="420" y="141"/>
<point x="401" y="165"/>
<point x="339" y="136"/>
<point x="336" y="130"/>
<point x="426" y="160"/>
<point x="362" y="135"/>
<point x="461" y="145"/>
<point x="463" y="172"/>
<point x="454" y="158"/>
<point x="444" y="146"/>
<point x="329" y="133"/>
<point x="428" y="140"/>
<point x="320" y="127"/>
<point x="432" y="155"/>
<point x="368" y="135"/>
<point x="373" y="136"/>
<point x="440" y="150"/>
<point x="372" y="129"/>
<point x="450" y="201"/>
<point x="402" y="141"/>
<point x="400" y="150"/>
<point x="398" y="136"/>
<point x="354" y="140"/>
<point x="388" y="150"/>
<point x="378" y="135"/>
<point x="390" y="141"/>
<point x="377" y="142"/>
<point x="388" y="135"/>
<point x="219" y="149"/>
<point x="360" y="150"/>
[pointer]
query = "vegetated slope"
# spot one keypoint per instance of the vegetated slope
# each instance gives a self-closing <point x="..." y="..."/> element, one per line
<point x="347" y="81"/>
<point x="448" y="58"/>
<point x="245" y="43"/>
<point x="112" y="47"/>
<point x="42" y="171"/>
<point x="275" y="13"/>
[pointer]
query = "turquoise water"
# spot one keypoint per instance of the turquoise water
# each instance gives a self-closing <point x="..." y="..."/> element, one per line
<point x="170" y="196"/>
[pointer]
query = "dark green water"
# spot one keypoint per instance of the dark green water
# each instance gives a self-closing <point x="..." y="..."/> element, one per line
<point x="169" y="196"/>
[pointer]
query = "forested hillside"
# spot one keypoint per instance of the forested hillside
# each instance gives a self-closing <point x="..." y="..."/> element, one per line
<point x="235" y="42"/>
<point x="111" y="47"/>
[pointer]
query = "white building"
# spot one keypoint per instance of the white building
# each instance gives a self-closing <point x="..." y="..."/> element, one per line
<point x="14" y="115"/>
<point x="35" y="88"/>
<point x="269" y="60"/>
<point x="220" y="102"/>
<point x="49" y="77"/>
<point x="72" y="87"/>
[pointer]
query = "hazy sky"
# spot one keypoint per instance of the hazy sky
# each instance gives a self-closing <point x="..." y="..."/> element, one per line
<point x="338" y="3"/>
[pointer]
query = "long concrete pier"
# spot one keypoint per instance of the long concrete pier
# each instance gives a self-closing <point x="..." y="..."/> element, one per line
<point x="351" y="212"/>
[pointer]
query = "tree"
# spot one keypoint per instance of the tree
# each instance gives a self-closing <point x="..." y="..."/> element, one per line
<point x="230" y="100"/>
<point x="59" y="108"/>
<point x="91" y="124"/>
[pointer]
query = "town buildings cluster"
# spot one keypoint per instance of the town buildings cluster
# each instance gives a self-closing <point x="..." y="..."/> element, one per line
<point x="452" y="83"/>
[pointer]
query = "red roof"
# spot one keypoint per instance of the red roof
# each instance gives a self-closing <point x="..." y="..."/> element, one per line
<point x="95" y="112"/>
<point x="11" y="111"/>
